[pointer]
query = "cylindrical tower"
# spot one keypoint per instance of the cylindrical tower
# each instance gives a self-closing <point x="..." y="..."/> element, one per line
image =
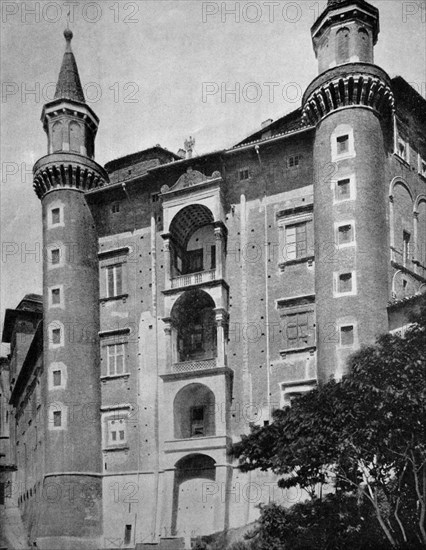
<point x="350" y="102"/>
<point x="70" y="513"/>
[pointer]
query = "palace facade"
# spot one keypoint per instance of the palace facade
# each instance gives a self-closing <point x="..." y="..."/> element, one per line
<point x="186" y="297"/>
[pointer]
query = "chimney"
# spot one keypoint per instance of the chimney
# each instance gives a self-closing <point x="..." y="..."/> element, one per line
<point x="266" y="122"/>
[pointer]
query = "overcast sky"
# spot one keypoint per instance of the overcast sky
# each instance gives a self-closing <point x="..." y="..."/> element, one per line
<point x="157" y="72"/>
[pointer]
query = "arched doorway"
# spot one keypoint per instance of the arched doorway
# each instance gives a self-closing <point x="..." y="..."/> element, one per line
<point x="195" y="496"/>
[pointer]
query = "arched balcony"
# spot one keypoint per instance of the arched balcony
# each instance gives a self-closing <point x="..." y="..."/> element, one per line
<point x="196" y="333"/>
<point x="194" y="247"/>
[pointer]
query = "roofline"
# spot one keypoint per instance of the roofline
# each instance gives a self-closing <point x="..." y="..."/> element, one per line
<point x="10" y="316"/>
<point x="130" y="155"/>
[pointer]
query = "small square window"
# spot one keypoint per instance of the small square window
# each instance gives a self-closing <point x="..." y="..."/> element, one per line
<point x="345" y="283"/>
<point x="342" y="145"/>
<point x="343" y="189"/>
<point x="115" y="208"/>
<point x="345" y="234"/>
<point x="155" y="197"/>
<point x="56" y="336"/>
<point x="56" y="216"/>
<point x="55" y="256"/>
<point x="244" y="174"/>
<point x="56" y="296"/>
<point x="347" y="335"/>
<point x="57" y="418"/>
<point x="294" y="161"/>
<point x="57" y="377"/>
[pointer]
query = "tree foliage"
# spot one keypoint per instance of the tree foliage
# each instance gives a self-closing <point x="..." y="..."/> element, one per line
<point x="364" y="434"/>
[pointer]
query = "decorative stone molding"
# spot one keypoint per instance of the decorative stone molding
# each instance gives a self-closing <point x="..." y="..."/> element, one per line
<point x="67" y="171"/>
<point x="352" y="84"/>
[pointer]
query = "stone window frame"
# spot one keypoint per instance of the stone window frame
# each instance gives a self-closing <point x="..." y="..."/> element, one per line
<point x="341" y="131"/>
<point x="57" y="366"/>
<point x="53" y="326"/>
<point x="57" y="406"/>
<point x="61" y="303"/>
<point x="115" y="414"/>
<point x="283" y="224"/>
<point x="352" y="292"/>
<point x="51" y="248"/>
<point x="54" y="206"/>
<point x="343" y="223"/>
<point x="114" y="338"/>
<point x="352" y="189"/>
<point x="341" y="323"/>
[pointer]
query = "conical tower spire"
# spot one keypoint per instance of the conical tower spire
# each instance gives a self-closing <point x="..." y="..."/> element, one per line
<point x="69" y="84"/>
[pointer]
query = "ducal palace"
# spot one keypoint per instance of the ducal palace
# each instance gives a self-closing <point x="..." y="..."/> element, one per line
<point x="186" y="297"/>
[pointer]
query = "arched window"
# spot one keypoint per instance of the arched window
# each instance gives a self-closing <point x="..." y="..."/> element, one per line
<point x="75" y="137"/>
<point x="194" y="412"/>
<point x="57" y="136"/>
<point x="365" y="50"/>
<point x="342" y="38"/>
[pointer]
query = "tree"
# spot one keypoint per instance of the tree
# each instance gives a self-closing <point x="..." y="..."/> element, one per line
<point x="365" y="435"/>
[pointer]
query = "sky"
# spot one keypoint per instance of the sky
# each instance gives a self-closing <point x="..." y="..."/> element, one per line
<point x="157" y="72"/>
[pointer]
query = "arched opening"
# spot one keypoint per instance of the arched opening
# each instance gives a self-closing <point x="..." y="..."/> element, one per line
<point x="57" y="137"/>
<point x="342" y="40"/>
<point x="194" y="326"/>
<point x="194" y="496"/>
<point x="403" y="226"/>
<point x="193" y="241"/>
<point x="75" y="137"/>
<point x="194" y="412"/>
<point x="365" y="49"/>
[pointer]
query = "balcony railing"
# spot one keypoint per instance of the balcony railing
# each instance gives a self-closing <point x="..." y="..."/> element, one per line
<point x="190" y="366"/>
<point x="193" y="278"/>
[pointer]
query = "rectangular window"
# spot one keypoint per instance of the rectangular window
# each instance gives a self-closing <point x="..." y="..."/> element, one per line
<point x="297" y="330"/>
<point x="423" y="168"/>
<point x="342" y="145"/>
<point x="117" y="432"/>
<point x="56" y="296"/>
<point x="347" y="335"/>
<point x="345" y="234"/>
<point x="296" y="241"/>
<point x="114" y="276"/>
<point x="56" y="216"/>
<point x="57" y="378"/>
<point x="115" y="208"/>
<point x="57" y="419"/>
<point x="116" y="359"/>
<point x="56" y="336"/>
<point x="197" y="422"/>
<point x="243" y="174"/>
<point x="406" y="238"/>
<point x="55" y="256"/>
<point x="343" y="189"/>
<point x="344" y="283"/>
<point x="294" y="161"/>
<point x="155" y="197"/>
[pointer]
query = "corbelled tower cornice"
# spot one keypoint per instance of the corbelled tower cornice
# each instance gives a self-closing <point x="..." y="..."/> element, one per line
<point x="343" y="37"/>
